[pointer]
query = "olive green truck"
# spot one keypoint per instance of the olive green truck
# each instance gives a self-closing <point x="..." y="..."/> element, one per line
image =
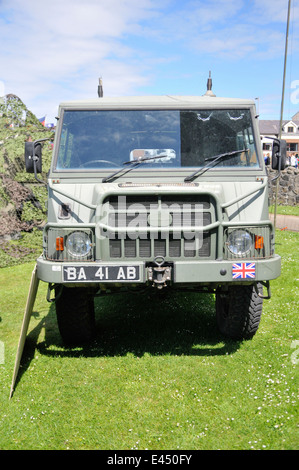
<point x="162" y="192"/>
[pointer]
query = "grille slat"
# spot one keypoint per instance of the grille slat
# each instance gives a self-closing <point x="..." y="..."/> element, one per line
<point x="130" y="248"/>
<point x="160" y="247"/>
<point x="115" y="248"/>
<point x="144" y="248"/>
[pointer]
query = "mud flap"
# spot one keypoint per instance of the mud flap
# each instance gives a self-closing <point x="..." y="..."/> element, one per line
<point x="28" y="311"/>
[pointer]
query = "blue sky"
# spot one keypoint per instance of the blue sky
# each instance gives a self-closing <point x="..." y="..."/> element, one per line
<point x="56" y="50"/>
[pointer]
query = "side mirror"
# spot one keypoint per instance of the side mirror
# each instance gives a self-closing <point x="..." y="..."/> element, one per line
<point x="33" y="157"/>
<point x="279" y="154"/>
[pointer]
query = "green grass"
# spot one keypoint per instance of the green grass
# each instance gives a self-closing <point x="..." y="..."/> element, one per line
<point x="285" y="210"/>
<point x="158" y="375"/>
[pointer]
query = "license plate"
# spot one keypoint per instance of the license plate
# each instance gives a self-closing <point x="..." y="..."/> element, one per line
<point x="102" y="273"/>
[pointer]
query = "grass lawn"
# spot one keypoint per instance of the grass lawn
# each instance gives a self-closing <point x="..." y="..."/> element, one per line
<point x="285" y="210"/>
<point x="158" y="375"/>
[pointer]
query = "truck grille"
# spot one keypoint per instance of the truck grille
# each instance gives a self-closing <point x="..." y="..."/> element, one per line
<point x="143" y="226"/>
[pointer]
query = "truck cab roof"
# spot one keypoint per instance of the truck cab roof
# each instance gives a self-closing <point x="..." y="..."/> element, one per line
<point x="163" y="101"/>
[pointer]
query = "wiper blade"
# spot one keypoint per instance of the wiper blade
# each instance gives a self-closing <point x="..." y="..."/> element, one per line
<point x="131" y="165"/>
<point x="212" y="162"/>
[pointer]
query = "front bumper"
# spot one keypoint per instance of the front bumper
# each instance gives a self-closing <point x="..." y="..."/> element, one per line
<point x="186" y="272"/>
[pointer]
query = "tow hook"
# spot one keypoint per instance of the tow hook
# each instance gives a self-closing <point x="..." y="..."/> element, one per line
<point x="159" y="274"/>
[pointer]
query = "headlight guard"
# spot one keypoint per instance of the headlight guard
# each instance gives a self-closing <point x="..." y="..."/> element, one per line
<point x="69" y="244"/>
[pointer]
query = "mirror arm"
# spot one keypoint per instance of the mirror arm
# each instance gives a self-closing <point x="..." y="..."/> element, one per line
<point x="34" y="159"/>
<point x="278" y="171"/>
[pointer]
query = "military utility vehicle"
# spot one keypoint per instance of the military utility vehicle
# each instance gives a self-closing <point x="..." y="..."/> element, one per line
<point x="164" y="192"/>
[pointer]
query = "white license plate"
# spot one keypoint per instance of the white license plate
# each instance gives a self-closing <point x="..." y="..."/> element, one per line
<point x="101" y="273"/>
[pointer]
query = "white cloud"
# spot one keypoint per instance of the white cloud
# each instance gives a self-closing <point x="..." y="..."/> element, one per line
<point x="229" y="29"/>
<point x="63" y="46"/>
<point x="53" y="51"/>
<point x="273" y="11"/>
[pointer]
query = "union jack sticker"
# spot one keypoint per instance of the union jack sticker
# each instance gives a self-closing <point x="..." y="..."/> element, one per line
<point x="243" y="271"/>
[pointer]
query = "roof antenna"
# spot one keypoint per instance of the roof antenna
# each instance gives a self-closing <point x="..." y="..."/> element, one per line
<point x="209" y="86"/>
<point x="100" y="88"/>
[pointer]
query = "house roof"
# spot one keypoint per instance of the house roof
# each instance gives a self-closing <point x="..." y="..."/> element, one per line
<point x="272" y="126"/>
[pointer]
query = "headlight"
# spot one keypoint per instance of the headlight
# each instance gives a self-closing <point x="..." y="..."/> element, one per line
<point x="78" y="244"/>
<point x="239" y="242"/>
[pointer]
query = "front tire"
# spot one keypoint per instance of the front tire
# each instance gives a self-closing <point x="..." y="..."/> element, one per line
<point x="238" y="311"/>
<point x="75" y="314"/>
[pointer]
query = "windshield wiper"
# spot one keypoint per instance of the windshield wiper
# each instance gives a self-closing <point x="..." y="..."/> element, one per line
<point x="212" y="162"/>
<point x="131" y="165"/>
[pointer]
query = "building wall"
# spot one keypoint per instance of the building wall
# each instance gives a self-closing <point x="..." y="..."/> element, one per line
<point x="290" y="133"/>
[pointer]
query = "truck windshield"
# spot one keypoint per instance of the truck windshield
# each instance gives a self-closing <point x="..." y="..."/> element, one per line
<point x="98" y="140"/>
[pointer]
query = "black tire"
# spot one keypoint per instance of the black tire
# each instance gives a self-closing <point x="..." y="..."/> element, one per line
<point x="75" y="314"/>
<point x="238" y="311"/>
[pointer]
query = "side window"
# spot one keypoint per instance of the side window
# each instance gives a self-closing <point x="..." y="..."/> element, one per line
<point x="62" y="148"/>
<point x="245" y="140"/>
<point x="65" y="149"/>
<point x="251" y="156"/>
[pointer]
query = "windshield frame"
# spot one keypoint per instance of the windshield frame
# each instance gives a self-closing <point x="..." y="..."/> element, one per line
<point x="144" y="170"/>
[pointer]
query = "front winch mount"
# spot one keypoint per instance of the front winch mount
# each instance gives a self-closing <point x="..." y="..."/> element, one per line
<point x="159" y="274"/>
